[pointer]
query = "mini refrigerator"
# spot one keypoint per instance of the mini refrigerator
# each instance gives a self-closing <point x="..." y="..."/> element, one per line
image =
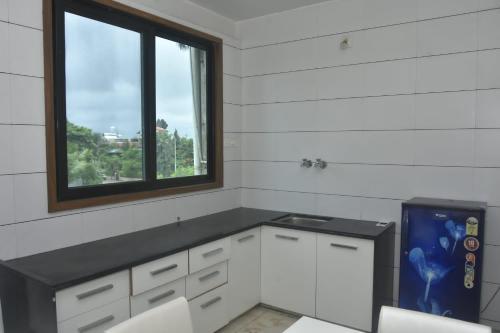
<point x="441" y="257"/>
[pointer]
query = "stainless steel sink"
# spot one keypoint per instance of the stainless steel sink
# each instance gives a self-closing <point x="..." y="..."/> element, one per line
<point x="300" y="219"/>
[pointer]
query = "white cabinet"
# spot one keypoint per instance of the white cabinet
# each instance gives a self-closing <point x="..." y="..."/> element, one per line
<point x="205" y="280"/>
<point x="209" y="254"/>
<point x="244" y="272"/>
<point x="157" y="296"/>
<point x="345" y="281"/>
<point x="288" y="278"/>
<point x="209" y="311"/>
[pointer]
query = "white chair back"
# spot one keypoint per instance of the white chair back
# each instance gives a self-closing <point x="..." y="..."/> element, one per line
<point x="172" y="317"/>
<point x="394" y="320"/>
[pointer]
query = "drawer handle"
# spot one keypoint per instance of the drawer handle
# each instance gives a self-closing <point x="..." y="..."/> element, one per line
<point x="211" y="302"/>
<point x="287" y="237"/>
<point x="164" y="269"/>
<point x="209" y="276"/>
<point x="94" y="292"/>
<point x="243" y="239"/>
<point x="161" y="296"/>
<point x="213" y="252"/>
<point x="96" y="323"/>
<point x="343" y="246"/>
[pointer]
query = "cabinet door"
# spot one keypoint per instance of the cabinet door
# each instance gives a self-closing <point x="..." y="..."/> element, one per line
<point x="244" y="272"/>
<point x="209" y="311"/>
<point x="345" y="281"/>
<point x="288" y="278"/>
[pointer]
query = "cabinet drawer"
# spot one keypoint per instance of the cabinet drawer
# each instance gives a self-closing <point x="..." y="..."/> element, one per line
<point x="91" y="295"/>
<point x="209" y="311"/>
<point x="159" y="272"/>
<point x="345" y="281"/>
<point x="206" y="280"/>
<point x="157" y="296"/>
<point x="209" y="254"/>
<point x="97" y="320"/>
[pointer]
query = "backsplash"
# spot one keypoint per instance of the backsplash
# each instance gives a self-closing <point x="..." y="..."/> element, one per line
<point x="400" y="97"/>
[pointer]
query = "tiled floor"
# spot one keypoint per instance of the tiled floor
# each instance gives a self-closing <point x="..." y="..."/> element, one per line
<point x="260" y="320"/>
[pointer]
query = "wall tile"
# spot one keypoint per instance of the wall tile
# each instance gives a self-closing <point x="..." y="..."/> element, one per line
<point x="46" y="235"/>
<point x="279" y="58"/>
<point x="445" y="110"/>
<point x="487" y="185"/>
<point x="491" y="273"/>
<point x="191" y="206"/>
<point x="107" y="223"/>
<point x="488" y="75"/>
<point x="232" y="89"/>
<point x="393" y="42"/>
<point x="232" y="60"/>
<point x="26" y="12"/>
<point x="232" y="118"/>
<point x="8" y="242"/>
<point x="299" y="116"/>
<point x="487" y="148"/>
<point x="232" y="146"/>
<point x="383" y="210"/>
<point x="4" y="50"/>
<point x="437" y="8"/>
<point x="6" y="199"/>
<point x="446" y="73"/>
<point x="25" y="51"/>
<point x="279" y="200"/>
<point x="444" y="148"/>
<point x="223" y="200"/>
<point x="154" y="214"/>
<point x="492" y="234"/>
<point x="295" y="146"/>
<point x="386" y="12"/>
<point x="490" y="307"/>
<point x="488" y="4"/>
<point x="438" y="182"/>
<point x="386" y="181"/>
<point x="6" y="164"/>
<point x="27" y="100"/>
<point x="447" y="35"/>
<point x="340" y="16"/>
<point x="390" y="78"/>
<point x="329" y="52"/>
<point x="339" y="114"/>
<point x="392" y="147"/>
<point x="232" y="174"/>
<point x="5" y="109"/>
<point x="338" y="206"/>
<point x="28" y="149"/>
<point x="286" y="26"/>
<point x="341" y="82"/>
<point x="488" y="29"/>
<point x="4" y="12"/>
<point x="388" y="113"/>
<point x="488" y="109"/>
<point x="30" y="190"/>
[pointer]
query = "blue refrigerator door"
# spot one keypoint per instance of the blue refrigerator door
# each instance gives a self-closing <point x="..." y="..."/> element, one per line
<point x="441" y="259"/>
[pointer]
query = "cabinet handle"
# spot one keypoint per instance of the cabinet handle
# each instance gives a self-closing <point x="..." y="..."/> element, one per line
<point x="161" y="296"/>
<point x="211" y="302"/>
<point x="213" y="252"/>
<point x="243" y="239"/>
<point x="209" y="276"/>
<point x="287" y="237"/>
<point x="94" y="292"/>
<point x="164" y="269"/>
<point x="96" y="323"/>
<point x="343" y="246"/>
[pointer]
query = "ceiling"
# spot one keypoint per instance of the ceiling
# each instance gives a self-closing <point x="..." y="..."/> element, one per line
<point x="238" y="10"/>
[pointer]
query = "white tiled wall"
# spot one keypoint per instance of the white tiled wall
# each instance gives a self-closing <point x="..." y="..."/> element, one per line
<point x="25" y="226"/>
<point x="411" y="108"/>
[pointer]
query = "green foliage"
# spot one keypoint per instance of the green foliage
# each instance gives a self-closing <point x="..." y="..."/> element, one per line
<point x="93" y="160"/>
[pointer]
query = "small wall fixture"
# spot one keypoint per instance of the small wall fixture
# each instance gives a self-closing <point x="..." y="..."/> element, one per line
<point x="306" y="163"/>
<point x="345" y="43"/>
<point x="320" y="164"/>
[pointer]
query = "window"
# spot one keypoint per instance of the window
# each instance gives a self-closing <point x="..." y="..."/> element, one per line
<point x="133" y="105"/>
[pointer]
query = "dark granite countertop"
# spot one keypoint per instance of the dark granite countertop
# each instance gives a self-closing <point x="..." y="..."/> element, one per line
<point x="70" y="266"/>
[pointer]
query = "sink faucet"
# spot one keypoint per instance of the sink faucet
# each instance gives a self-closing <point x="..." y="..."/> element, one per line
<point x="320" y="164"/>
<point x="306" y="163"/>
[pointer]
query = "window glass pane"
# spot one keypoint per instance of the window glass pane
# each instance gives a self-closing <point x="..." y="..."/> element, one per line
<point x="103" y="103"/>
<point x="181" y="112"/>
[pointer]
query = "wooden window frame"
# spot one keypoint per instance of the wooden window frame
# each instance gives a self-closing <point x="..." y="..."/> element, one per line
<point x="60" y="196"/>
